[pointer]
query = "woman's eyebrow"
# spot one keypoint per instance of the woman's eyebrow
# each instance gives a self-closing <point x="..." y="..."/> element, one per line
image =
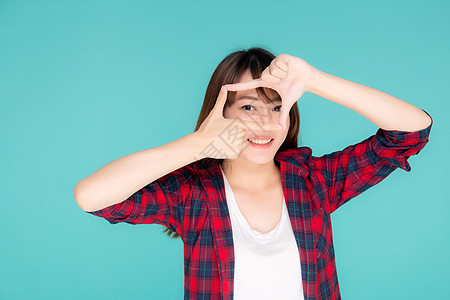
<point x="254" y="98"/>
<point x="248" y="97"/>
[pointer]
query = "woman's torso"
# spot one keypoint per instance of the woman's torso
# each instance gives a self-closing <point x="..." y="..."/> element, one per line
<point x="261" y="209"/>
<point x="267" y="263"/>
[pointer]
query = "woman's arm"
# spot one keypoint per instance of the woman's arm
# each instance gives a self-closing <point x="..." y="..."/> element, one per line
<point x="117" y="180"/>
<point x="291" y="76"/>
<point x="384" y="110"/>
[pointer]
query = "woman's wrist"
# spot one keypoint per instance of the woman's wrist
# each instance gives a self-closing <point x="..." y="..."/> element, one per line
<point x="316" y="81"/>
<point x="197" y="145"/>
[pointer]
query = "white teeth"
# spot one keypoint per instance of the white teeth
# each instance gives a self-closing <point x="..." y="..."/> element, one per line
<point x="260" y="141"/>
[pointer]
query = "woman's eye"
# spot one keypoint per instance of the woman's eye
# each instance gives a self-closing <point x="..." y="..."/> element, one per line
<point x="279" y="107"/>
<point x="246" y="106"/>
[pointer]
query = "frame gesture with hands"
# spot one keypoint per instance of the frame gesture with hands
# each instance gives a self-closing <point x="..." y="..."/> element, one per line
<point x="290" y="76"/>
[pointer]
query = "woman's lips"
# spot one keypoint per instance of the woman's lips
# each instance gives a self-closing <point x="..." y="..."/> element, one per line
<point x="260" y="138"/>
<point x="261" y="146"/>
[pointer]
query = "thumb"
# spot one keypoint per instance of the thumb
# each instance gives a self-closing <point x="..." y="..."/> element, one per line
<point x="248" y="85"/>
<point x="220" y="102"/>
<point x="284" y="116"/>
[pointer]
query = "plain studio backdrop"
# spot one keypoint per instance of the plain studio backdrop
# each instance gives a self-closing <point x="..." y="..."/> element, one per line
<point x="83" y="83"/>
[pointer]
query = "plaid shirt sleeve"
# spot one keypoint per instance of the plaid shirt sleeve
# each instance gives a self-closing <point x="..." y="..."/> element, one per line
<point x="347" y="173"/>
<point x="159" y="202"/>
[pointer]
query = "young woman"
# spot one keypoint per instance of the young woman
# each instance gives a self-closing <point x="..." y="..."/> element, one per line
<point x="252" y="208"/>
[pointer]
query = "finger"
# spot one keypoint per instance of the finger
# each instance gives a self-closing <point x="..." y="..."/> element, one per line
<point x="255" y="83"/>
<point x="284" y="116"/>
<point x="283" y="66"/>
<point x="266" y="126"/>
<point x="269" y="78"/>
<point x="277" y="72"/>
<point x="220" y="102"/>
<point x="283" y="61"/>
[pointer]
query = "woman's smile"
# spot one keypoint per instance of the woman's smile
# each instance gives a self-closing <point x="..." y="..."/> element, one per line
<point x="260" y="144"/>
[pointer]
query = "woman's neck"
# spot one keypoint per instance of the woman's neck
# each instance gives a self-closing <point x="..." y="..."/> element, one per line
<point x="245" y="174"/>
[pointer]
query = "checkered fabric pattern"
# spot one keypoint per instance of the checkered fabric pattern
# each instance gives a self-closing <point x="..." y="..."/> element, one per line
<point x="191" y="201"/>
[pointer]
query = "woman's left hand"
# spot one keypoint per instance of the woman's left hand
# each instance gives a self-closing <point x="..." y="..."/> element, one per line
<point x="290" y="76"/>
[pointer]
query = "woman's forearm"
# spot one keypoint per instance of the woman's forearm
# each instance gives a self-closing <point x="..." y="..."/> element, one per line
<point x="382" y="109"/>
<point x="118" y="180"/>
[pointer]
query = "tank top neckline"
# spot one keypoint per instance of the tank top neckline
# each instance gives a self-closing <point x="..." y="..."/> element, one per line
<point x="242" y="218"/>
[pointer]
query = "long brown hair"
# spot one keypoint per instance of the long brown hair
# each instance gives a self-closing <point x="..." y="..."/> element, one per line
<point x="230" y="70"/>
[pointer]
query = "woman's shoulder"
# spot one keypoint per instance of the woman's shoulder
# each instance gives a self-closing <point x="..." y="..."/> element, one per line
<point x="296" y="156"/>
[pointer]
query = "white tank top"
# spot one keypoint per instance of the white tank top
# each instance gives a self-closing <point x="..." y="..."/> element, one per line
<point x="267" y="265"/>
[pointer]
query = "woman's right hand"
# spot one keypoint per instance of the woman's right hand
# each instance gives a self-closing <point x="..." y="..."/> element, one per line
<point x="224" y="138"/>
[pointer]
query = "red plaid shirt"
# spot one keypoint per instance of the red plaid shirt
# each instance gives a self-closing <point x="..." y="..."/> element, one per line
<point x="191" y="201"/>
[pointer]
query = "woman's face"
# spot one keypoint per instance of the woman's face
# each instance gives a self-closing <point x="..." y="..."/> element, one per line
<point x="250" y="107"/>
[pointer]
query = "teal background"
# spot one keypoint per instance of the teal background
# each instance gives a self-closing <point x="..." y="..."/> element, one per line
<point x="83" y="83"/>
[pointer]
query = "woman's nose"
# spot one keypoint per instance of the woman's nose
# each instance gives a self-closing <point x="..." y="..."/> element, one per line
<point x="264" y="114"/>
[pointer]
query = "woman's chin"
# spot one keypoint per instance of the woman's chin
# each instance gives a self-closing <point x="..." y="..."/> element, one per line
<point x="259" y="158"/>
